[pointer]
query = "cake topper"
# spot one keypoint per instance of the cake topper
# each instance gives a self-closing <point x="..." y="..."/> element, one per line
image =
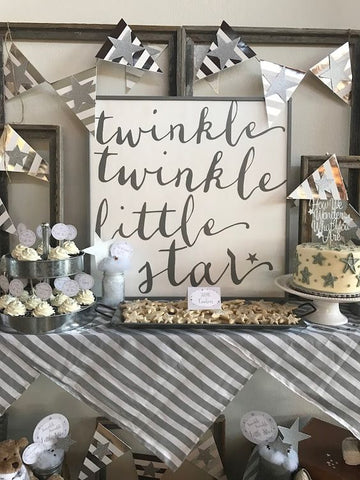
<point x="328" y="202"/>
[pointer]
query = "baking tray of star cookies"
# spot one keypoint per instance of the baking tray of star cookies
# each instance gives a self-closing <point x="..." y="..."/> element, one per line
<point x="235" y="313"/>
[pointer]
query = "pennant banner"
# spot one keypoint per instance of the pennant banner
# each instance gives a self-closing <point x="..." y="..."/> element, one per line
<point x="19" y="74"/>
<point x="6" y="223"/>
<point x="252" y="467"/>
<point x="206" y="457"/>
<point x="104" y="448"/>
<point x="226" y="51"/>
<point x="122" y="46"/>
<point x="324" y="184"/>
<point x="79" y="93"/>
<point x="279" y="83"/>
<point x="148" y="466"/>
<point x="335" y="72"/>
<point x="18" y="156"/>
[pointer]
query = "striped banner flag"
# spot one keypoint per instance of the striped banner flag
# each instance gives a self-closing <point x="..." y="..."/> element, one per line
<point x="6" y="223"/>
<point x="123" y="47"/>
<point x="326" y="182"/>
<point x="104" y="448"/>
<point x="226" y="51"/>
<point x="252" y="466"/>
<point x="79" y="93"/>
<point x="19" y="74"/>
<point x="16" y="155"/>
<point x="148" y="466"/>
<point x="206" y="457"/>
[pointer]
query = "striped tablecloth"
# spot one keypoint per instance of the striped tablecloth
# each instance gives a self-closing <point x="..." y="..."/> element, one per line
<point x="169" y="386"/>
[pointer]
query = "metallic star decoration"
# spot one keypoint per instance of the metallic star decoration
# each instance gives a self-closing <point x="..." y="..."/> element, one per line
<point x="124" y="48"/>
<point x="80" y="94"/>
<point x="226" y="51"/>
<point x="100" y="249"/>
<point x="150" y="470"/>
<point x="324" y="184"/>
<point x="350" y="262"/>
<point x="292" y="435"/>
<point x="335" y="72"/>
<point x="329" y="280"/>
<point x="64" y="443"/>
<point x="205" y="455"/>
<point x="16" y="156"/>
<point x="252" y="258"/>
<point x="102" y="450"/>
<point x="279" y="84"/>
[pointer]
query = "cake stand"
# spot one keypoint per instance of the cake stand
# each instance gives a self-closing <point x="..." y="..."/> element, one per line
<point x="327" y="306"/>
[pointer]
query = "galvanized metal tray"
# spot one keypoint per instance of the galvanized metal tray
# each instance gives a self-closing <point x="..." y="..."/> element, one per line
<point x="39" y="269"/>
<point x="117" y="320"/>
<point x="53" y="324"/>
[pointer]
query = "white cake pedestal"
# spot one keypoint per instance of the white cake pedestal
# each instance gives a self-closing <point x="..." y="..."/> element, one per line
<point x="327" y="306"/>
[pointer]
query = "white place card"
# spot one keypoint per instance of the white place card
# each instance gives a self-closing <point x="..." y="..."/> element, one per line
<point x="204" y="298"/>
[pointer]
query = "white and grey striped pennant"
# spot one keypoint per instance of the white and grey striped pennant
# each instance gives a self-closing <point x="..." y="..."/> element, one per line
<point x="123" y="47"/>
<point x="6" y="223"/>
<point x="206" y="457"/>
<point x="104" y="448"/>
<point x="16" y="155"/>
<point x="19" y="74"/>
<point x="79" y="93"/>
<point x="227" y="50"/>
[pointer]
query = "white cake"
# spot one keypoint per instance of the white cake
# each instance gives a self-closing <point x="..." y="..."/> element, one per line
<point x="334" y="270"/>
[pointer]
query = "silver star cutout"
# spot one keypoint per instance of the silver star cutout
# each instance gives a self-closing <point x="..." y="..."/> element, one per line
<point x="124" y="48"/>
<point x="64" y="443"/>
<point x="149" y="470"/>
<point x="100" y="249"/>
<point x="336" y="72"/>
<point x="292" y="435"/>
<point x="16" y="156"/>
<point x="280" y="84"/>
<point x="205" y="455"/>
<point x="80" y="94"/>
<point x="17" y="76"/>
<point x="225" y="51"/>
<point x="324" y="184"/>
<point x="102" y="450"/>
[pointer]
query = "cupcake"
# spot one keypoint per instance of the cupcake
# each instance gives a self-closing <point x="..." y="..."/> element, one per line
<point x="43" y="309"/>
<point x="69" y="306"/>
<point x="58" y="253"/>
<point x="24" y="296"/>
<point x="28" y="253"/>
<point x="5" y="299"/>
<point x="58" y="299"/>
<point x="70" y="247"/>
<point x="15" y="309"/>
<point x="85" y="297"/>
<point x="16" y="252"/>
<point x="32" y="302"/>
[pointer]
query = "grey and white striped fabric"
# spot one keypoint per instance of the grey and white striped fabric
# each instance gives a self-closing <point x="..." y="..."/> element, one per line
<point x="169" y="386"/>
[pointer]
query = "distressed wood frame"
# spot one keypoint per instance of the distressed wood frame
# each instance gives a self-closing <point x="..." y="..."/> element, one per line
<point x="308" y="165"/>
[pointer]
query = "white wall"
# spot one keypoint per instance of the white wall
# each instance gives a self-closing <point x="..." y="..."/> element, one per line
<point x="263" y="392"/>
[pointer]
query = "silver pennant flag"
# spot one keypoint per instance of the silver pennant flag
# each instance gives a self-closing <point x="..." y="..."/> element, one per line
<point x="6" y="223"/>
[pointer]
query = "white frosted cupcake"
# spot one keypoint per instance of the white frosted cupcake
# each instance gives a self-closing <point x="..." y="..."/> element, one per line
<point x="43" y="309"/>
<point x="5" y="299"/>
<point x="24" y="296"/>
<point x="16" y="252"/>
<point x="40" y="249"/>
<point x="85" y="297"/>
<point x="58" y="299"/>
<point x="70" y="247"/>
<point x="69" y="306"/>
<point x="28" y="254"/>
<point x="15" y="309"/>
<point x="58" y="253"/>
<point x="32" y="302"/>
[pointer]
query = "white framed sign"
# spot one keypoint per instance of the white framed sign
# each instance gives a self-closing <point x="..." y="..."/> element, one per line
<point x="197" y="186"/>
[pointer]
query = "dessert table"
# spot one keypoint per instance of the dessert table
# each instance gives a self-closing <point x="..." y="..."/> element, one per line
<point x="168" y="386"/>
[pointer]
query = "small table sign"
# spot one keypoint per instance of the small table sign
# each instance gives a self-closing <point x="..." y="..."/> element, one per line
<point x="204" y="298"/>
